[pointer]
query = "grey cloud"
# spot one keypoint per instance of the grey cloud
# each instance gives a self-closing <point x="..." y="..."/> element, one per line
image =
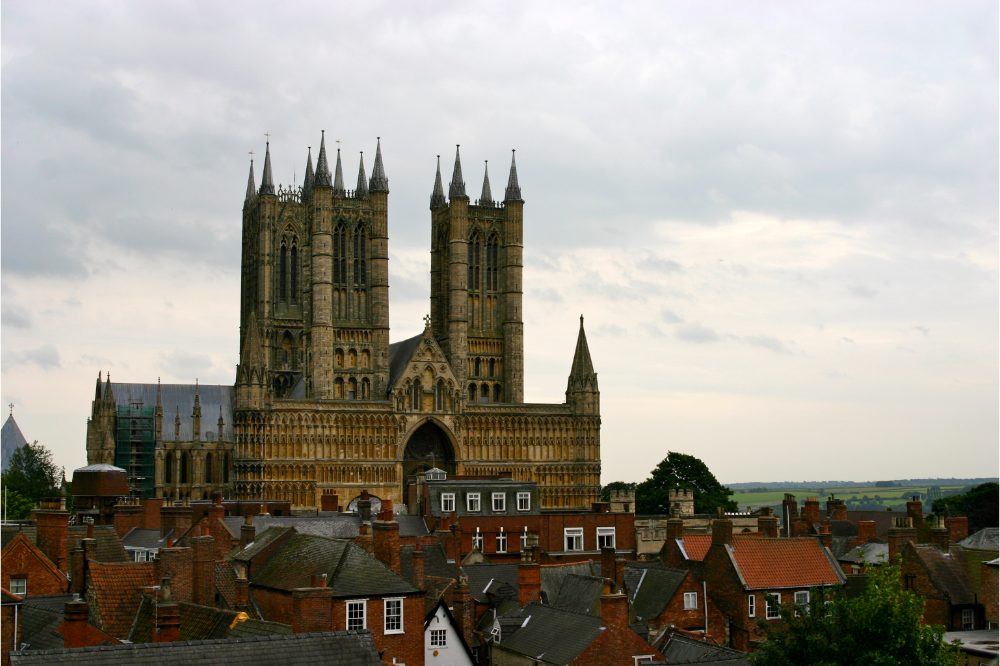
<point x="45" y="357"/>
<point x="651" y="330"/>
<point x="548" y="295"/>
<point x="73" y="301"/>
<point x="695" y="332"/>
<point x="185" y="364"/>
<point x="848" y="340"/>
<point x="923" y="329"/>
<point x="862" y="291"/>
<point x="670" y="317"/>
<point x="611" y="331"/>
<point x="658" y="264"/>
<point x="767" y="342"/>
<point x="15" y="316"/>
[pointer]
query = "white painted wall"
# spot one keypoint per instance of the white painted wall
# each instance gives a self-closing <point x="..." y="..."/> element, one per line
<point x="453" y="654"/>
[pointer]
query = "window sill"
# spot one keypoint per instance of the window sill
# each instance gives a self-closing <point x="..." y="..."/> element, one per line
<point x="396" y="631"/>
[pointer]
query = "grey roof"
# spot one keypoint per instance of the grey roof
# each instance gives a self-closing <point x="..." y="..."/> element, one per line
<point x="362" y="189"/>
<point x="655" y="590"/>
<point x="333" y="525"/>
<point x="485" y="487"/>
<point x="379" y="182"/>
<point x="683" y="650"/>
<point x="11" y="530"/>
<point x="634" y="572"/>
<point x="456" y="188"/>
<point x="487" y="195"/>
<point x="840" y="545"/>
<point x="179" y="398"/>
<point x="552" y="577"/>
<point x="481" y="575"/>
<point x="987" y="538"/>
<point x="139" y="537"/>
<point x="579" y="593"/>
<point x="262" y="541"/>
<point x="259" y="628"/>
<point x="947" y="571"/>
<point x="336" y="648"/>
<point x="553" y="635"/>
<point x="867" y="553"/>
<point x="100" y="467"/>
<point x="435" y="562"/>
<point x="513" y="191"/>
<point x="399" y="356"/>
<point x="412" y="526"/>
<point x="437" y="194"/>
<point x="11" y="439"/>
<point x="39" y="623"/>
<point x="109" y="546"/>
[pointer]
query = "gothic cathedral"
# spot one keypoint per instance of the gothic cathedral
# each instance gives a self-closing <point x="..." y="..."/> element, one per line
<point x="323" y="402"/>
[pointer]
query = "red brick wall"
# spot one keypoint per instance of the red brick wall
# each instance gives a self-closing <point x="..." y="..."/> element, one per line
<point x="23" y="560"/>
<point x="127" y="517"/>
<point x="988" y="595"/>
<point x="674" y="613"/>
<point x="7" y="633"/>
<point x="552" y="526"/>
<point x="179" y="564"/>
<point x="276" y="606"/>
<point x="53" y="536"/>
<point x="407" y="647"/>
<point x="615" y="647"/>
<point x="203" y="574"/>
<point x="937" y="608"/>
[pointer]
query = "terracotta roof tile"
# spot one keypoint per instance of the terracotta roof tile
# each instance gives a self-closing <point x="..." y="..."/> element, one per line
<point x="778" y="563"/>
<point x="114" y="590"/>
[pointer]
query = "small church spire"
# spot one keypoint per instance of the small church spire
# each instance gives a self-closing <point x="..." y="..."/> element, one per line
<point x="251" y="187"/>
<point x="457" y="186"/>
<point x="338" y="178"/>
<point x="437" y="195"/>
<point x="513" y="192"/>
<point x="322" y="166"/>
<point x="310" y="177"/>
<point x="362" y="191"/>
<point x="266" y="181"/>
<point x="379" y="182"/>
<point x="581" y="390"/>
<point x="486" y="197"/>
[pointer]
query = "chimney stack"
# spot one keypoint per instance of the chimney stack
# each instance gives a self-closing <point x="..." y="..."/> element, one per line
<point x="529" y="582"/>
<point x="75" y="627"/>
<point x="767" y="523"/>
<point x="176" y="517"/>
<point x="675" y="528"/>
<point x="958" y="528"/>
<point x="329" y="501"/>
<point x="836" y="509"/>
<point x="826" y="538"/>
<point x="52" y="538"/>
<point x="464" y="609"/>
<point x="418" y="567"/>
<point x="810" y="511"/>
<point x="614" y="610"/>
<point x="866" y="531"/>
<point x="247" y="532"/>
<point x="203" y="578"/>
<point x="242" y="594"/>
<point x="127" y="515"/>
<point x="312" y="610"/>
<point x="901" y="534"/>
<point x="722" y="530"/>
<point x="789" y="513"/>
<point x="168" y="616"/>
<point x="387" y="542"/>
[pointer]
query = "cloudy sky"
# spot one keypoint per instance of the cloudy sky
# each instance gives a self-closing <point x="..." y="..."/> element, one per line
<point x="779" y="219"/>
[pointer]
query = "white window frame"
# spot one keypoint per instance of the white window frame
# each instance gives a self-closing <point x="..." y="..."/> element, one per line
<point x="690" y="601"/>
<point x="802" y="601"/>
<point x="968" y="619"/>
<point x="447" y="502"/>
<point x="395" y="602"/>
<point x="752" y="605"/>
<point x="363" y="603"/>
<point x="573" y="533"/>
<point x="473" y="502"/>
<point x="524" y="501"/>
<point x="501" y="541"/>
<point x="524" y="540"/>
<point x="439" y="638"/>
<point x="20" y="587"/>
<point x="477" y="540"/>
<point x="502" y="499"/>
<point x="773" y="611"/>
<point x="605" y="532"/>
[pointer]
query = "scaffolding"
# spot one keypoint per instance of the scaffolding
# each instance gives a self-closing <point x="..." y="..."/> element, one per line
<point x="135" y="446"/>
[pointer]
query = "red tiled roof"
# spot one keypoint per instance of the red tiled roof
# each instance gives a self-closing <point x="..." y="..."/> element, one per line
<point x="115" y="590"/>
<point x="696" y="546"/>
<point x="778" y="563"/>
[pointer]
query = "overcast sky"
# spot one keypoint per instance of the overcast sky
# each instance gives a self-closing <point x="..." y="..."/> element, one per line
<point x="779" y="219"/>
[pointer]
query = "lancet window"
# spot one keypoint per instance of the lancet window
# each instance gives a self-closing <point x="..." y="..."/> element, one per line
<point x="288" y="270"/>
<point x="340" y="255"/>
<point x="360" y="256"/>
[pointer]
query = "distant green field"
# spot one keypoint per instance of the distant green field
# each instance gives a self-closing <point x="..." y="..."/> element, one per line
<point x="890" y="496"/>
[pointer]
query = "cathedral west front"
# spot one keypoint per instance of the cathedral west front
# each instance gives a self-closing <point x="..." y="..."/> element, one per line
<point x="323" y="402"/>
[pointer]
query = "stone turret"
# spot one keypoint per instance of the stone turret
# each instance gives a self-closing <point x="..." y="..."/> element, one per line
<point x="486" y="198"/>
<point x="379" y="182"/>
<point x="362" y="191"/>
<point x="582" y="393"/>
<point x="338" y="178"/>
<point x="309" y="178"/>
<point x="437" y="194"/>
<point x="266" y="180"/>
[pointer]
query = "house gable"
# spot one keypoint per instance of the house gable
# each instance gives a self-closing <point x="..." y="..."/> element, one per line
<point x="23" y="559"/>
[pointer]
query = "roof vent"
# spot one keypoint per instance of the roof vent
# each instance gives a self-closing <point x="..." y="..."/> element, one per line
<point x="436" y="474"/>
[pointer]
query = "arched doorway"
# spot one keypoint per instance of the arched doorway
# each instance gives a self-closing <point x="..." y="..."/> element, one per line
<point x="429" y="446"/>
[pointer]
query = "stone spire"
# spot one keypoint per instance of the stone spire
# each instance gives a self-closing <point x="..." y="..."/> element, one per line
<point x="486" y="196"/>
<point x="513" y="192"/>
<point x="437" y="196"/>
<point x="109" y="395"/>
<point x="457" y="186"/>
<point x="322" y="166"/>
<point x="310" y="177"/>
<point x="221" y="424"/>
<point x="362" y="191"/>
<point x="97" y="395"/>
<point x="582" y="393"/>
<point x="266" y="181"/>
<point x="251" y="187"/>
<point x="338" y="178"/>
<point x="379" y="182"/>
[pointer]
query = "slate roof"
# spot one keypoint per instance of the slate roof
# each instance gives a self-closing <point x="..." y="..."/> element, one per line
<point x="482" y="575"/>
<point x="260" y="542"/>
<point x="197" y="622"/>
<point x="139" y="537"/>
<point x="336" y="526"/>
<point x="412" y="526"/>
<point x="987" y="538"/>
<point x="655" y="590"/>
<point x="399" y="356"/>
<point x="351" y="571"/>
<point x="114" y="593"/>
<point x="11" y="439"/>
<point x="840" y="545"/>
<point x="573" y="633"/>
<point x="11" y="530"/>
<point x="867" y="553"/>
<point x="435" y="562"/>
<point x="39" y="618"/>
<point x="634" y="572"/>
<point x="179" y="399"/>
<point x="109" y="546"/>
<point x="338" y="648"/>
<point x="580" y="594"/>
<point x="683" y="650"/>
<point x="947" y="571"/>
<point x="780" y="563"/>
<point x="552" y="576"/>
<point x="249" y="628"/>
<point x="883" y="520"/>
<point x="225" y="582"/>
<point x="843" y="528"/>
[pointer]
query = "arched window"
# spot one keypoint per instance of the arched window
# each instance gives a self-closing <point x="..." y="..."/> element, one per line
<point x="338" y="388"/>
<point x="492" y="366"/>
<point x="283" y="273"/>
<point x="472" y="392"/>
<point x="477" y="373"/>
<point x="293" y="273"/>
<point x="492" y="264"/>
<point x="339" y="358"/>
<point x="439" y="395"/>
<point x="496" y="393"/>
<point x="485" y="394"/>
<point x="352" y="389"/>
<point x="225" y="470"/>
<point x="360" y="256"/>
<point x="366" y="392"/>
<point x="366" y="359"/>
<point x="168" y="471"/>
<point x="339" y="255"/>
<point x="352" y="359"/>
<point x="208" y="468"/>
<point x="475" y="249"/>
<point x="416" y="396"/>
<point x="184" y="468"/>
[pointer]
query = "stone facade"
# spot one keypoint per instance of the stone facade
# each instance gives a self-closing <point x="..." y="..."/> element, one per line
<point x="324" y="403"/>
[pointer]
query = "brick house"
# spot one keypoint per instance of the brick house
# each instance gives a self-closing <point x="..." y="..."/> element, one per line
<point x="444" y="639"/>
<point x="664" y="599"/>
<point x="27" y="571"/>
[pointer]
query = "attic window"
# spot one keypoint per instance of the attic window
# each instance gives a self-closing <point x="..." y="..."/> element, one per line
<point x="447" y="502"/>
<point x="19" y="586"/>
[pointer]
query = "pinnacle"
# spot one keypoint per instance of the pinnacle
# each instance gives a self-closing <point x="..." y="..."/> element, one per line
<point x="266" y="181"/>
<point x="338" y="178"/>
<point x="251" y="187"/>
<point x="486" y="196"/>
<point x="362" y="190"/>
<point x="583" y="367"/>
<point x="513" y="192"/>
<point x="379" y="182"/>
<point x="310" y="177"/>
<point x="457" y="186"/>
<point x="322" y="166"/>
<point x="437" y="195"/>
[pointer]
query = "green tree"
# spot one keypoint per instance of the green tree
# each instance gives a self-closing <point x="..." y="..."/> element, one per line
<point x="17" y="507"/>
<point x="882" y="626"/>
<point x="31" y="473"/>
<point x="615" y="485"/>
<point x="980" y="505"/>
<point x="679" y="470"/>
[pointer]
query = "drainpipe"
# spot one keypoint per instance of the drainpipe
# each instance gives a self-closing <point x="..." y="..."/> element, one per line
<point x="704" y="589"/>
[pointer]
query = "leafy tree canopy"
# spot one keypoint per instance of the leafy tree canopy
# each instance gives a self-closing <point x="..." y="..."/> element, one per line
<point x="678" y="470"/>
<point x="881" y="626"/>
<point x="615" y="485"/>
<point x="980" y="505"/>
<point x="32" y="474"/>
